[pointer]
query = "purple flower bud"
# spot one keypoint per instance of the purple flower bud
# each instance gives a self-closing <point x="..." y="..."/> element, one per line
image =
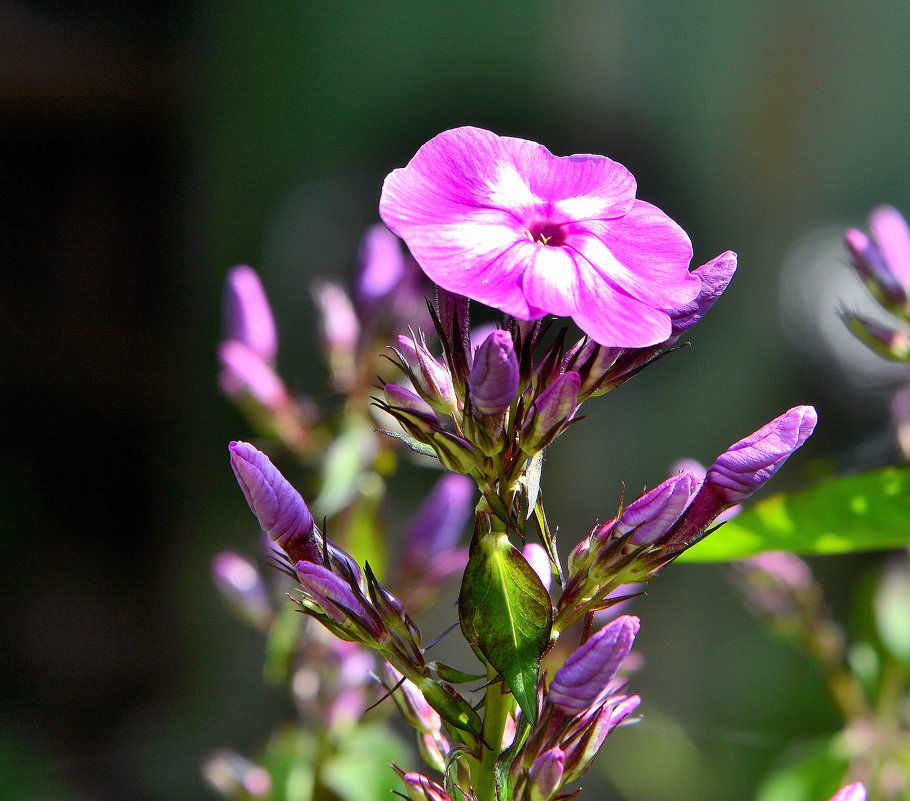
<point x="412" y="411"/>
<point x="536" y="556"/>
<point x="247" y="314"/>
<point x="336" y="598"/>
<point x="748" y="464"/>
<point x="551" y="412"/>
<point x="455" y="453"/>
<point x="494" y="376"/>
<point x="246" y="372"/>
<point x="891" y="343"/>
<point x="381" y="266"/>
<point x="412" y="703"/>
<point x="776" y="585"/>
<point x="715" y="276"/>
<point x="242" y="587"/>
<point x="545" y="775"/>
<point x="585" y="737"/>
<point x="439" y="522"/>
<point x="891" y="234"/>
<point x="852" y="792"/>
<point x="338" y="322"/>
<point x="871" y="267"/>
<point x="655" y="512"/>
<point x="281" y="511"/>
<point x="583" y="682"/>
<point x="592" y="362"/>
<point x="420" y="788"/>
<point x="430" y="378"/>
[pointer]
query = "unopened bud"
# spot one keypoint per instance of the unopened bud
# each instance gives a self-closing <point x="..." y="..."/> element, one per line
<point x="545" y="775"/>
<point x="247" y="315"/>
<point x="494" y="376"/>
<point x="242" y="588"/>
<point x="431" y="379"/>
<point x="715" y="276"/>
<point x="551" y="412"/>
<point x="280" y="509"/>
<point x="584" y="681"/>
<point x="655" y="512"/>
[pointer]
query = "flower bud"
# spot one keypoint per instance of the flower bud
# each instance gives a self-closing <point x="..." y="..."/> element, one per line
<point x="550" y="413"/>
<point x="892" y="236"/>
<point x="494" y="376"/>
<point x="585" y="737"/>
<point x="742" y="470"/>
<point x="655" y="512"/>
<point x="887" y="342"/>
<point x="871" y="267"/>
<point x="583" y="682"/>
<point x="454" y="453"/>
<point x="335" y="597"/>
<point x="242" y="588"/>
<point x="748" y="464"/>
<point x="245" y="372"/>
<point x="439" y="522"/>
<point x="247" y="315"/>
<point x="592" y="362"/>
<point x="545" y="775"/>
<point x="715" y="276"/>
<point x="420" y="788"/>
<point x="381" y="267"/>
<point x="431" y="379"/>
<point x="280" y="509"/>
<point x="413" y="413"/>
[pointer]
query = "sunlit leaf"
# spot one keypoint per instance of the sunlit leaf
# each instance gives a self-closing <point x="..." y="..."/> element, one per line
<point x="863" y="512"/>
<point x="506" y="612"/>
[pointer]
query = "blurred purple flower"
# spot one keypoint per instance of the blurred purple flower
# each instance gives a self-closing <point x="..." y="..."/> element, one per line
<point x="247" y="315"/>
<point x="381" y="266"/>
<point x="247" y="373"/>
<point x="280" y="509"/>
<point x="242" y="588"/>
<point x="505" y="222"/>
<point x="440" y="521"/>
<point x="883" y="261"/>
<point x="536" y="556"/>
<point x="584" y="681"/>
<point x="494" y="376"/>
<point x="852" y="792"/>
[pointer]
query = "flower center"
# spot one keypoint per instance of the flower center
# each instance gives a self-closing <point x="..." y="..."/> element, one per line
<point x="546" y="233"/>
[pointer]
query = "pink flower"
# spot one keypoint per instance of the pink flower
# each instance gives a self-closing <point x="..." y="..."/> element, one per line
<point x="509" y="224"/>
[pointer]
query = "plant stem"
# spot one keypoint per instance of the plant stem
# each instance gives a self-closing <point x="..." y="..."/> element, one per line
<point x="496" y="713"/>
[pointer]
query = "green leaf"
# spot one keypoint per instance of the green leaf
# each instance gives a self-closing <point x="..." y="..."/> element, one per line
<point x="506" y="612"/>
<point x="863" y="512"/>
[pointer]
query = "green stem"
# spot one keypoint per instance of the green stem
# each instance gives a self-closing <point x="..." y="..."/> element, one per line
<point x="499" y="703"/>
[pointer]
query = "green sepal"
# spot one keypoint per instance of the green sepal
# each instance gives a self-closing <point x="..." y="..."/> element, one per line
<point x="862" y="512"/>
<point x="413" y="444"/>
<point x="452" y="675"/>
<point x="505" y="611"/>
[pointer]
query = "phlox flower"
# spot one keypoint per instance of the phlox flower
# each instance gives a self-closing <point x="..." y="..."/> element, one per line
<point x="505" y="222"/>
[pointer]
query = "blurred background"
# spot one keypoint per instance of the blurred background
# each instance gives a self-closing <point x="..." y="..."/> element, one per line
<point x="145" y="148"/>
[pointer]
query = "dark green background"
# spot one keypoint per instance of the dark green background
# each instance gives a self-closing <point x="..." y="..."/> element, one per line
<point x="145" y="149"/>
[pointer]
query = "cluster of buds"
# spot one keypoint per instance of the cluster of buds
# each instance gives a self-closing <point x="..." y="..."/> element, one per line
<point x="334" y="590"/>
<point x="882" y="261"/>
<point x="388" y="292"/>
